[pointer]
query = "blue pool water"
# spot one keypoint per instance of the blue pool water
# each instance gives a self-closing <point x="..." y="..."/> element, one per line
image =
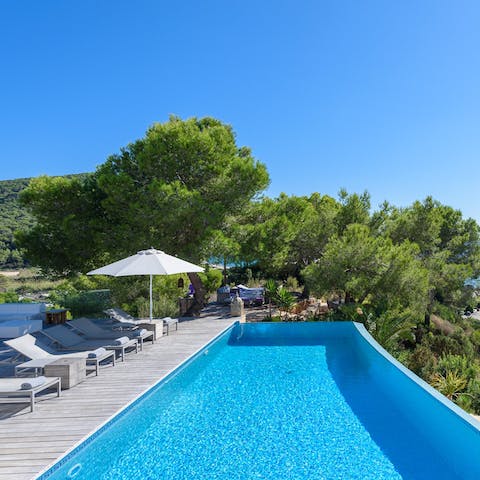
<point x="283" y="401"/>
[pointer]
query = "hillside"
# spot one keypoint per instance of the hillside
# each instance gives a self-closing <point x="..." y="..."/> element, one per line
<point x="13" y="217"/>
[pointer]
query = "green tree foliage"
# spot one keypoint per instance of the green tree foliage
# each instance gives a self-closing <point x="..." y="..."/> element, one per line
<point x="354" y="208"/>
<point x="211" y="279"/>
<point x="67" y="231"/>
<point x="361" y="267"/>
<point x="171" y="189"/>
<point x="177" y="185"/>
<point x="12" y="218"/>
<point x="285" y="234"/>
<point x="449" y="247"/>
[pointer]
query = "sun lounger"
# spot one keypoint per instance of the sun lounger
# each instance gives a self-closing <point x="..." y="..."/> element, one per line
<point x="28" y="346"/>
<point x="67" y="339"/>
<point x="25" y="390"/>
<point x="93" y="331"/>
<point x="123" y="317"/>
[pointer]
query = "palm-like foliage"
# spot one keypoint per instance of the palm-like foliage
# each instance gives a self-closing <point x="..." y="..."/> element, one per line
<point x="278" y="296"/>
<point x="270" y="292"/>
<point x="452" y="384"/>
<point x="388" y="331"/>
<point x="284" y="299"/>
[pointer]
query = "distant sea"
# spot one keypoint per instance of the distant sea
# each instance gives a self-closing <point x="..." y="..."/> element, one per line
<point x="474" y="282"/>
<point x="219" y="263"/>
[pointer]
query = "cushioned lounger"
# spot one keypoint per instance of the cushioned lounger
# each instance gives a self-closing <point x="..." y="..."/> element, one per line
<point x="29" y="347"/>
<point x="25" y="390"/>
<point x="66" y="339"/>
<point x="93" y="331"/>
<point x="124" y="318"/>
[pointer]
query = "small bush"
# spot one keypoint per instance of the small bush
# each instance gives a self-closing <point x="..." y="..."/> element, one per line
<point x="458" y="363"/>
<point x="422" y="361"/>
<point x="445" y="312"/>
<point x="162" y="307"/>
<point x="291" y="283"/>
<point x="91" y="302"/>
<point x="211" y="279"/>
<point x="8" y="297"/>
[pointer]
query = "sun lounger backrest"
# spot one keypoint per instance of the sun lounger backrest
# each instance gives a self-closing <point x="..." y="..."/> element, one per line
<point x="62" y="335"/>
<point x="86" y="326"/>
<point x="26" y="345"/>
<point x="119" y="314"/>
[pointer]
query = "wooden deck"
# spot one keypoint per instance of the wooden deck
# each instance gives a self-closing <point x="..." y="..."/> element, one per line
<point x="31" y="441"/>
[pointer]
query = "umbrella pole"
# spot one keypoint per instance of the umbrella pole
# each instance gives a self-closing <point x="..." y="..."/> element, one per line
<point x="151" y="300"/>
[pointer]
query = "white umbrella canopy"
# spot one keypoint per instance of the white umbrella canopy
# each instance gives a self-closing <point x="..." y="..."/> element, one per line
<point x="147" y="262"/>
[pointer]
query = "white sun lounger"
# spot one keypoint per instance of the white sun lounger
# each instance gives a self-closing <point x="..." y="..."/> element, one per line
<point x="92" y="331"/>
<point x="25" y="390"/>
<point x="125" y="318"/>
<point x="29" y="347"/>
<point x="66" y="339"/>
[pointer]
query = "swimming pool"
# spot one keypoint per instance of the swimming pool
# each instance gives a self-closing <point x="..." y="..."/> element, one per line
<point x="284" y="401"/>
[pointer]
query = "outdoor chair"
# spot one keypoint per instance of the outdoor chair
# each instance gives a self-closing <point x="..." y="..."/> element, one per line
<point x="25" y="390"/>
<point x="66" y="339"/>
<point x="91" y="330"/>
<point x="40" y="355"/>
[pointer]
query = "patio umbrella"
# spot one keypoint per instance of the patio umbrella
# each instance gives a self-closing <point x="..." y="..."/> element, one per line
<point x="147" y="262"/>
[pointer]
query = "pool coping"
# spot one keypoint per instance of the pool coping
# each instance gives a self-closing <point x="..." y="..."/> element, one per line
<point x="89" y="437"/>
<point x="473" y="422"/>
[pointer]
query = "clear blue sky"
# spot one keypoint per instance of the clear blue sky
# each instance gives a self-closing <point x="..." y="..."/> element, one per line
<point x="377" y="95"/>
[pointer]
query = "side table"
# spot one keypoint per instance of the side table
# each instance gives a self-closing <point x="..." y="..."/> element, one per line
<point x="155" y="326"/>
<point x="70" y="370"/>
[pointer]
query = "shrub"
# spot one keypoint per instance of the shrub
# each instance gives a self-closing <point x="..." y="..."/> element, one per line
<point x="422" y="361"/>
<point x="211" y="279"/>
<point x="238" y="274"/>
<point x="445" y="312"/>
<point x="441" y="344"/>
<point x="473" y="390"/>
<point x="284" y="299"/>
<point x="452" y="384"/>
<point x="162" y="307"/>
<point x="457" y="363"/>
<point x="91" y="302"/>
<point x="291" y="283"/>
<point x="8" y="297"/>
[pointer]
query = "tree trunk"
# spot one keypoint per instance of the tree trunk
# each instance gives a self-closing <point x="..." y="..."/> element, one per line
<point x="224" y="270"/>
<point x="199" y="295"/>
<point x="426" y="321"/>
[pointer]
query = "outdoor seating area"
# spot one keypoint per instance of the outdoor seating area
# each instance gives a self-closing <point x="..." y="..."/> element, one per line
<point x="62" y="356"/>
<point x="58" y="423"/>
